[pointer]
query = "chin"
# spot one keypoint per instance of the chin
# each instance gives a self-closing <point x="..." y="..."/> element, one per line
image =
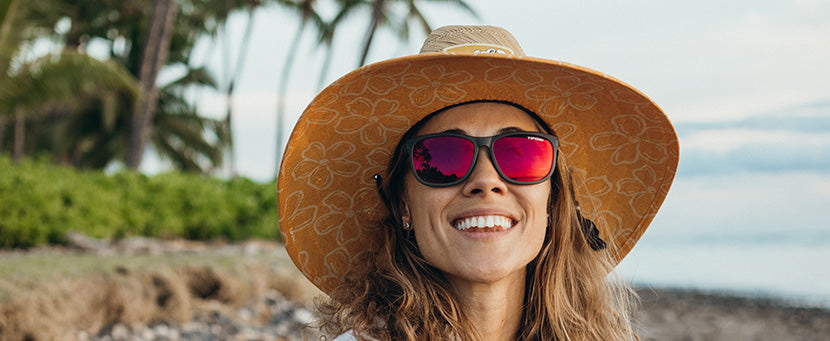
<point x="491" y="274"/>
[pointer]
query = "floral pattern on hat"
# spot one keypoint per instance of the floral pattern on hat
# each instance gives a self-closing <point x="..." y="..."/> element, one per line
<point x="324" y="113"/>
<point x="321" y="164"/>
<point x="435" y="82"/>
<point x="641" y="188"/>
<point x="631" y="141"/>
<point x="509" y="72"/>
<point x="376" y="161"/>
<point x="372" y="120"/>
<point x="374" y="81"/>
<point x="344" y="209"/>
<point x="565" y="92"/>
<point x="298" y="213"/>
<point x="338" y="263"/>
<point x="563" y="131"/>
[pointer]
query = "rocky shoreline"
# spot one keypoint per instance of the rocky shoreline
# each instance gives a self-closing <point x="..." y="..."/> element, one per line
<point x="666" y="315"/>
<point x="283" y="310"/>
<point x="288" y="321"/>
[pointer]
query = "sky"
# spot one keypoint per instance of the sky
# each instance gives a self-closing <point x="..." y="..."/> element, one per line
<point x="745" y="82"/>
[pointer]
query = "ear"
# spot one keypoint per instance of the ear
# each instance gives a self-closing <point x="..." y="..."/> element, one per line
<point x="404" y="209"/>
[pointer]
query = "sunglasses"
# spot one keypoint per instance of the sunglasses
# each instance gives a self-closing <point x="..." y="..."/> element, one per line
<point x="447" y="159"/>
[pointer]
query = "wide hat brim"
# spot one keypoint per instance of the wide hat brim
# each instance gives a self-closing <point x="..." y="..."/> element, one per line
<point x="619" y="143"/>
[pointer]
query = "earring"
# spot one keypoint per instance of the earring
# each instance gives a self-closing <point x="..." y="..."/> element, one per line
<point x="406" y="226"/>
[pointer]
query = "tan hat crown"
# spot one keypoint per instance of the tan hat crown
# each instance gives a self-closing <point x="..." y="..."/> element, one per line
<point x="471" y="39"/>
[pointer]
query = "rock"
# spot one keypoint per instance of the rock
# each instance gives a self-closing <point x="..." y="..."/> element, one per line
<point x="85" y="243"/>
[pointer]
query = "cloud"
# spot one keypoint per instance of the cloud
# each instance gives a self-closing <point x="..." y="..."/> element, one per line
<point x="744" y="205"/>
<point x="795" y="139"/>
<point x="757" y="158"/>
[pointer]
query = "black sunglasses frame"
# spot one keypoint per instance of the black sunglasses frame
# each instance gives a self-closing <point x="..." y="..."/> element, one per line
<point x="478" y="142"/>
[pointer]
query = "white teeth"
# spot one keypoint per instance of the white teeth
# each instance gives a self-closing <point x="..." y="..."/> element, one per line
<point x="484" y="222"/>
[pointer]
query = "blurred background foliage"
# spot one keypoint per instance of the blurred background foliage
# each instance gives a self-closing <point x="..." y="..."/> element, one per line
<point x="75" y="110"/>
<point x="94" y="113"/>
<point x="41" y="202"/>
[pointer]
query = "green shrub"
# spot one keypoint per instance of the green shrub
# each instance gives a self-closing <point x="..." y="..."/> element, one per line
<point x="40" y="202"/>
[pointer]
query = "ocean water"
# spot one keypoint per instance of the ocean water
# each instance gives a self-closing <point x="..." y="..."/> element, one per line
<point x="754" y="234"/>
<point x="794" y="266"/>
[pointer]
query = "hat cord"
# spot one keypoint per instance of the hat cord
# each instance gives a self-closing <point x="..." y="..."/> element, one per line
<point x="591" y="231"/>
<point x="588" y="227"/>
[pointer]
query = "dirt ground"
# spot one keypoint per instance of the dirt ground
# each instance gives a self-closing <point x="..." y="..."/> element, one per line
<point x="97" y="284"/>
<point x="691" y="315"/>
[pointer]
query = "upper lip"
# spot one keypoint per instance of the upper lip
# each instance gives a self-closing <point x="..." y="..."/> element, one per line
<point x="483" y="211"/>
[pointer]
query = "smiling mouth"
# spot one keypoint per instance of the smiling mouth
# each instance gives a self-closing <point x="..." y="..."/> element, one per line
<point x="485" y="223"/>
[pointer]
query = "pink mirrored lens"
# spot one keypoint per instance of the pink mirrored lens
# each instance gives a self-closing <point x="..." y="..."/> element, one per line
<point x="524" y="158"/>
<point x="442" y="159"/>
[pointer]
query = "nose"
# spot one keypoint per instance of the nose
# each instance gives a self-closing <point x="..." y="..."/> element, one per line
<point x="484" y="178"/>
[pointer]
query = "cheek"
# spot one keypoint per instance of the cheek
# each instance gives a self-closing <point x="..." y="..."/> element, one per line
<point x="540" y="198"/>
<point x="540" y="225"/>
<point x="422" y="202"/>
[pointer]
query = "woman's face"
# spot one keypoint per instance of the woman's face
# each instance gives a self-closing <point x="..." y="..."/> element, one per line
<point x="478" y="255"/>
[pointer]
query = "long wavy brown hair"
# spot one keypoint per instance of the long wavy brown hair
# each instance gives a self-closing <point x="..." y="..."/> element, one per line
<point x="398" y="295"/>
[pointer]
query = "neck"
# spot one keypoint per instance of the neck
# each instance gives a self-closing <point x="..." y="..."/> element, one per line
<point x="495" y="309"/>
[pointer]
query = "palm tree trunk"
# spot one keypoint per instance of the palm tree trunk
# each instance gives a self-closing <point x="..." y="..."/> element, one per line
<point x="6" y="23"/>
<point x="240" y="62"/>
<point x="19" y="134"/>
<point x="227" y="79"/>
<point x="286" y="72"/>
<point x="9" y="10"/>
<point x="377" y="12"/>
<point x="2" y="133"/>
<point x="155" y="55"/>
<point x="324" y="71"/>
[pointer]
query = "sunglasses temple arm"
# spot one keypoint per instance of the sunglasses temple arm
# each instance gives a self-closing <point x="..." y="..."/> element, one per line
<point x="379" y="185"/>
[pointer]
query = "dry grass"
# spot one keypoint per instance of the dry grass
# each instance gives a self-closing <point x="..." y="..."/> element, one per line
<point x="53" y="296"/>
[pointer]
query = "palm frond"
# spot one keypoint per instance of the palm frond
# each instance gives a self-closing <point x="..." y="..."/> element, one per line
<point x="200" y="76"/>
<point x="180" y="135"/>
<point x="62" y="80"/>
<point x="460" y="3"/>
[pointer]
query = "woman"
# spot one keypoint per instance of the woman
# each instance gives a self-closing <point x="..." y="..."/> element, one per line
<point x="470" y="192"/>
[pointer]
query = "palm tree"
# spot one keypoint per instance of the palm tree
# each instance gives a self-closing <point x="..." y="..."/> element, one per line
<point x="90" y="130"/>
<point x="156" y="52"/>
<point x="233" y="78"/>
<point x="47" y="88"/>
<point x="326" y="37"/>
<point x="178" y="133"/>
<point x="65" y="104"/>
<point x="382" y="17"/>
<point x="54" y="88"/>
<point x="8" y="11"/>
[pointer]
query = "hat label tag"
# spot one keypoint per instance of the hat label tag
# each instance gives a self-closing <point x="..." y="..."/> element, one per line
<point x="477" y="48"/>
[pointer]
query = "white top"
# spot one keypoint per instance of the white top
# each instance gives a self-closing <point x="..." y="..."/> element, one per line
<point x="347" y="336"/>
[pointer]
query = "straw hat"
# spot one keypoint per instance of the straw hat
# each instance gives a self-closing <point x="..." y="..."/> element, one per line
<point x="619" y="142"/>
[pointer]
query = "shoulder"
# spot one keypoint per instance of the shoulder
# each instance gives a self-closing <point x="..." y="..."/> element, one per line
<point x="348" y="336"/>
